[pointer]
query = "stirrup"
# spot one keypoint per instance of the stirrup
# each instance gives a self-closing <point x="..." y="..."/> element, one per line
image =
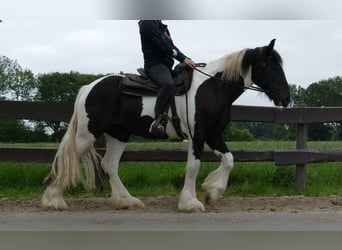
<point x="158" y="126"/>
<point x="157" y="129"/>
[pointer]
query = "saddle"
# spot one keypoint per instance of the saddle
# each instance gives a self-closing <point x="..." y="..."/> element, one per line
<point x="142" y="85"/>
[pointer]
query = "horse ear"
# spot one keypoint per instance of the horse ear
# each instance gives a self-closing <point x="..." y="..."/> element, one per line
<point x="270" y="46"/>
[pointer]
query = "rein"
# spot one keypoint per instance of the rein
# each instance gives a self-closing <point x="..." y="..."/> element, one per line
<point x="225" y="82"/>
<point x="254" y="88"/>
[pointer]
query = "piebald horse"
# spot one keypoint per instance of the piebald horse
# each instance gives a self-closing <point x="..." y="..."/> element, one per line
<point x="102" y="109"/>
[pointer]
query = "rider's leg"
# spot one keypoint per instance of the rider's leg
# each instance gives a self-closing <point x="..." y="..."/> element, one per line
<point x="161" y="75"/>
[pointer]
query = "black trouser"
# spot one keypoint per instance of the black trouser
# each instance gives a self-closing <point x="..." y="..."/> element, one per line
<point x="162" y="76"/>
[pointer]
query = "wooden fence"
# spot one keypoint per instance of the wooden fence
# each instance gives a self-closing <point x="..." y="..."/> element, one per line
<point x="300" y="156"/>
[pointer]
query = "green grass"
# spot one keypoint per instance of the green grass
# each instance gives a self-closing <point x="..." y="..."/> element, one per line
<point x="166" y="178"/>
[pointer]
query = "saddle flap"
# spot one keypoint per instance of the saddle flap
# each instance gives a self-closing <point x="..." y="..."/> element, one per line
<point x="142" y="72"/>
<point x="137" y="81"/>
<point x="142" y="85"/>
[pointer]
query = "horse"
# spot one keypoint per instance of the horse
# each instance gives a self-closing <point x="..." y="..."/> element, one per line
<point x="204" y="112"/>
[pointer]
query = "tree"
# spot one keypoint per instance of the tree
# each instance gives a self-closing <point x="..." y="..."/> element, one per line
<point x="297" y="95"/>
<point x="284" y="132"/>
<point x="60" y="87"/>
<point x="15" y="82"/>
<point x="323" y="93"/>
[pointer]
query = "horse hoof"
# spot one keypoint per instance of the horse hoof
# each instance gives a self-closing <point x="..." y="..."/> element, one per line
<point x="126" y="203"/>
<point x="209" y="199"/>
<point x="212" y="196"/>
<point x="194" y="206"/>
<point x="57" y="204"/>
<point x="196" y="210"/>
<point x="53" y="198"/>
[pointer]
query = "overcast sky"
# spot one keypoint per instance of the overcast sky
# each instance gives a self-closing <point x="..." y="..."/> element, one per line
<point x="311" y="49"/>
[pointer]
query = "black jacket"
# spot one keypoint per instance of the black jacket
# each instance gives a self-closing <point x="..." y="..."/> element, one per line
<point x="157" y="45"/>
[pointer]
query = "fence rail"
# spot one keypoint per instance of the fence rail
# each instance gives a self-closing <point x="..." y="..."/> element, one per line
<point x="48" y="111"/>
<point x="279" y="157"/>
<point x="299" y="156"/>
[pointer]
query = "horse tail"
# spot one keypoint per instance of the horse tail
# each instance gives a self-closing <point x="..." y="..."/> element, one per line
<point x="66" y="169"/>
<point x="94" y="175"/>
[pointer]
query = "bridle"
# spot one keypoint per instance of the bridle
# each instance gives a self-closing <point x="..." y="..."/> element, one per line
<point x="254" y="88"/>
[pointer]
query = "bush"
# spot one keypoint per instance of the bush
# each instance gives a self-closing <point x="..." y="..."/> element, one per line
<point x="15" y="131"/>
<point x="233" y="133"/>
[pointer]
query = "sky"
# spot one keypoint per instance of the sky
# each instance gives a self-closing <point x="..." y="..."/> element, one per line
<point x="48" y="38"/>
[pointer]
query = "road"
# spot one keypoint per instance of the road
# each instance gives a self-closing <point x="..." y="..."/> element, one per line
<point x="105" y="221"/>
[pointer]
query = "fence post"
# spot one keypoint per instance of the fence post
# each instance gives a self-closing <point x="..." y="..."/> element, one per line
<point x="301" y="143"/>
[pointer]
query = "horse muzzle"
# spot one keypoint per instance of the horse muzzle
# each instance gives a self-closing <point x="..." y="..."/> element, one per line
<point x="284" y="102"/>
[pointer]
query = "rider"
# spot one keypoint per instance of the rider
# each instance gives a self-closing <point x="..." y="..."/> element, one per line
<point x="158" y="50"/>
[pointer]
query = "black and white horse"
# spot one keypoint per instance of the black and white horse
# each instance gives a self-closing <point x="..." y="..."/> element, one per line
<point x="102" y="109"/>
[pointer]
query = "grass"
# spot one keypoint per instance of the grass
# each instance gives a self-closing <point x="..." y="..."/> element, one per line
<point x="166" y="178"/>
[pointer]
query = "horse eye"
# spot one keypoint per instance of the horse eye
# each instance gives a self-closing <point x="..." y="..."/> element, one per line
<point x="263" y="64"/>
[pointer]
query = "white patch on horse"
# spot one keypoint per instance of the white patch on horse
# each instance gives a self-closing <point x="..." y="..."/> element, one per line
<point x="247" y="79"/>
<point x="148" y="104"/>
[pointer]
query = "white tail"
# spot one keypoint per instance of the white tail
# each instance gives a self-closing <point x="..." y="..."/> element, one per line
<point x="66" y="168"/>
<point x="75" y="147"/>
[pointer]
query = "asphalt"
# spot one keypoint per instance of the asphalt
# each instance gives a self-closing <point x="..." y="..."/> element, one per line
<point x="309" y="221"/>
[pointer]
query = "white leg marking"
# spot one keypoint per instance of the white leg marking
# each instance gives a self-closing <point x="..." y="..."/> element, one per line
<point x="216" y="182"/>
<point x="120" y="197"/>
<point x="188" y="201"/>
<point x="53" y="197"/>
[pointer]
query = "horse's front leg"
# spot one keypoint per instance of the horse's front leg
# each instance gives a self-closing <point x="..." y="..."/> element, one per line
<point x="216" y="182"/>
<point x="188" y="201"/>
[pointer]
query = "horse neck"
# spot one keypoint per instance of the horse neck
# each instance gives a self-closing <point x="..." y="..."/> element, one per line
<point x="212" y="69"/>
<point x="229" y="65"/>
<point x="217" y="68"/>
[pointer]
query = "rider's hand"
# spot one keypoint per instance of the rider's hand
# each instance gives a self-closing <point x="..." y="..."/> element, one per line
<point x="190" y="63"/>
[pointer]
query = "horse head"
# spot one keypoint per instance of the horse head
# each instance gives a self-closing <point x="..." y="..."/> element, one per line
<point x="268" y="74"/>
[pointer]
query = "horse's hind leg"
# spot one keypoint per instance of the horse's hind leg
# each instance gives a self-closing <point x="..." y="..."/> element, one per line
<point x="120" y="198"/>
<point x="66" y="166"/>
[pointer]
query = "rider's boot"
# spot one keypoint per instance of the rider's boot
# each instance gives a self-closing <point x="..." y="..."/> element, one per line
<point x="158" y="126"/>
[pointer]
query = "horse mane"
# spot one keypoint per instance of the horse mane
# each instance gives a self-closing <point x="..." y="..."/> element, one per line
<point x="232" y="66"/>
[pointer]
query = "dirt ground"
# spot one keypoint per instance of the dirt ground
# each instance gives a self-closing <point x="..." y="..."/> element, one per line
<point x="290" y="204"/>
